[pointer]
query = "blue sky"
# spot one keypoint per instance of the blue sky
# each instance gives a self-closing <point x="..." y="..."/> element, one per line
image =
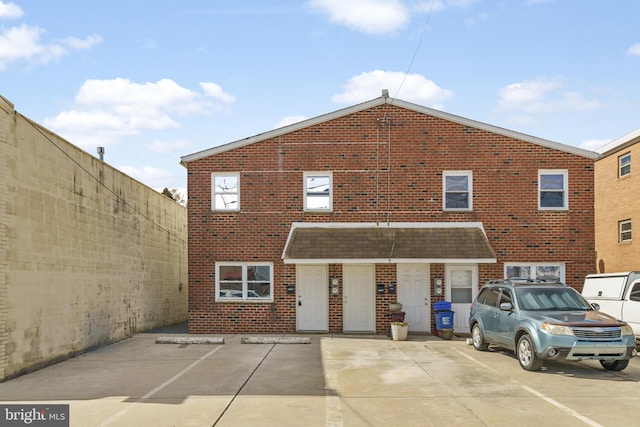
<point x="154" y="81"/>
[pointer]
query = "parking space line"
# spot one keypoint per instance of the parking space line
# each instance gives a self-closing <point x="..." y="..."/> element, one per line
<point x="536" y="393"/>
<point x="177" y="376"/>
<point x="560" y="406"/>
<point x="246" y="381"/>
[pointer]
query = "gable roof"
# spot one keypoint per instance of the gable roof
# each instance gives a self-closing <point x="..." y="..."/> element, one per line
<point x="620" y="144"/>
<point x="381" y="101"/>
<point x="442" y="242"/>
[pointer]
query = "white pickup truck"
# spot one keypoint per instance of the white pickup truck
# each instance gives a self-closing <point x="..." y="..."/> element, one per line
<point x="617" y="294"/>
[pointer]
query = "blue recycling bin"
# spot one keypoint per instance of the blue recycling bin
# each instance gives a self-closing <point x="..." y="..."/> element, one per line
<point x="442" y="306"/>
<point x="444" y="319"/>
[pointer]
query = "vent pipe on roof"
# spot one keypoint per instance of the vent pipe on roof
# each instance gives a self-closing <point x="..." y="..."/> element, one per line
<point x="101" y="153"/>
<point x="385" y="93"/>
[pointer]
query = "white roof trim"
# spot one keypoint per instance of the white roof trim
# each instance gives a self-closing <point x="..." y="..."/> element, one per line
<point x="392" y="261"/>
<point x="620" y="143"/>
<point x="387" y="224"/>
<point x="380" y="101"/>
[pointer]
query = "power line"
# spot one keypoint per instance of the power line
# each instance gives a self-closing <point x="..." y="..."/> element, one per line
<point x="118" y="198"/>
<point x="417" y="49"/>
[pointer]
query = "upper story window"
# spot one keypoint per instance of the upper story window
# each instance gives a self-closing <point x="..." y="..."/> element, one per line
<point x="457" y="188"/>
<point x="624" y="165"/>
<point x="237" y="281"/>
<point x="552" y="189"/>
<point x="225" y="191"/>
<point x="624" y="228"/>
<point x="318" y="191"/>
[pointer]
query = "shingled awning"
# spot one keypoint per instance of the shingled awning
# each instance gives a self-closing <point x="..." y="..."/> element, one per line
<point x="388" y="243"/>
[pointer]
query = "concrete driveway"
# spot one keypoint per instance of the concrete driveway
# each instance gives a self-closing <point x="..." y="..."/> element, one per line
<point x="333" y="381"/>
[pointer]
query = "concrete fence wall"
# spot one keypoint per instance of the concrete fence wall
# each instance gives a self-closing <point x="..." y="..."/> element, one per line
<point x="88" y="255"/>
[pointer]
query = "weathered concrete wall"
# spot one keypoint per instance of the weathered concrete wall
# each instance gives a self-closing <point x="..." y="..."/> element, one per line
<point x="88" y="255"/>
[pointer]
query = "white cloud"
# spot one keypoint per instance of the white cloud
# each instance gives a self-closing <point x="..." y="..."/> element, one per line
<point x="127" y="97"/>
<point x="529" y="95"/>
<point x="20" y="43"/>
<point x="215" y="91"/>
<point x="10" y="10"/>
<point x="412" y="87"/>
<point x="81" y="44"/>
<point x="543" y="95"/>
<point x="289" y="120"/>
<point x="634" y="50"/>
<point x="594" y="144"/>
<point x="105" y="111"/>
<point x="154" y="177"/>
<point x="428" y="6"/>
<point x="23" y="43"/>
<point x="368" y="16"/>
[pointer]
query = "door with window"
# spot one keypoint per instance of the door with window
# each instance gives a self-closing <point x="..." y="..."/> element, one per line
<point x="413" y="294"/>
<point x="312" y="297"/>
<point x="358" y="300"/>
<point x="461" y="282"/>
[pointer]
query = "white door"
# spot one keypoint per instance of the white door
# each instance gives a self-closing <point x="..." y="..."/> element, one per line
<point x="312" y="286"/>
<point x="358" y="300"/>
<point x="461" y="282"/>
<point x="413" y="294"/>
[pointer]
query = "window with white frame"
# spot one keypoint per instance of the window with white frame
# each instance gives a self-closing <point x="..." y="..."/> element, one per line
<point x="318" y="191"/>
<point x="540" y="271"/>
<point x="237" y="281"/>
<point x="553" y="189"/>
<point x="225" y="191"/>
<point x="624" y="228"/>
<point x="624" y="165"/>
<point x="457" y="189"/>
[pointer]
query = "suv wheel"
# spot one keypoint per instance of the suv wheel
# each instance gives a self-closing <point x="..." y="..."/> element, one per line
<point x="526" y="353"/>
<point x="478" y="339"/>
<point x="614" y="365"/>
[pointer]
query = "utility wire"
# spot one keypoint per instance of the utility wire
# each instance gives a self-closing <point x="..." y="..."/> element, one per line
<point x="118" y="198"/>
<point x="415" y="52"/>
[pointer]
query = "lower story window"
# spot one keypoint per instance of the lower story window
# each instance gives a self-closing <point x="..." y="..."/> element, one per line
<point x="539" y="271"/>
<point x="244" y="281"/>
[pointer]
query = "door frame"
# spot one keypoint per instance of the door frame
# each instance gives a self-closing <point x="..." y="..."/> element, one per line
<point x="426" y="304"/>
<point x="299" y="294"/>
<point x="448" y="269"/>
<point x="372" y="309"/>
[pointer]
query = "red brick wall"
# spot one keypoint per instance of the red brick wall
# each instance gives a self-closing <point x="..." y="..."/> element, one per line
<point x="505" y="191"/>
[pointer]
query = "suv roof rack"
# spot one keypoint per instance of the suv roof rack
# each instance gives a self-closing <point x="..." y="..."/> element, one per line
<point x="523" y="281"/>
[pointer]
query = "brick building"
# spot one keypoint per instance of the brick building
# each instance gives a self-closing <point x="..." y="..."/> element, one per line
<point x="617" y="209"/>
<point x="317" y="226"/>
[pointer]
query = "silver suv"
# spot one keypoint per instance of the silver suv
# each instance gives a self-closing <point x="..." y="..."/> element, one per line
<point x="547" y="320"/>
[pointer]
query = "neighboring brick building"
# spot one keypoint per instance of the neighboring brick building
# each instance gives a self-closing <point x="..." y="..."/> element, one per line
<point x="617" y="208"/>
<point x="318" y="225"/>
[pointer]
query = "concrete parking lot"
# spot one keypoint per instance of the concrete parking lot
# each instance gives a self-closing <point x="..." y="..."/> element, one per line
<point x="333" y="381"/>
